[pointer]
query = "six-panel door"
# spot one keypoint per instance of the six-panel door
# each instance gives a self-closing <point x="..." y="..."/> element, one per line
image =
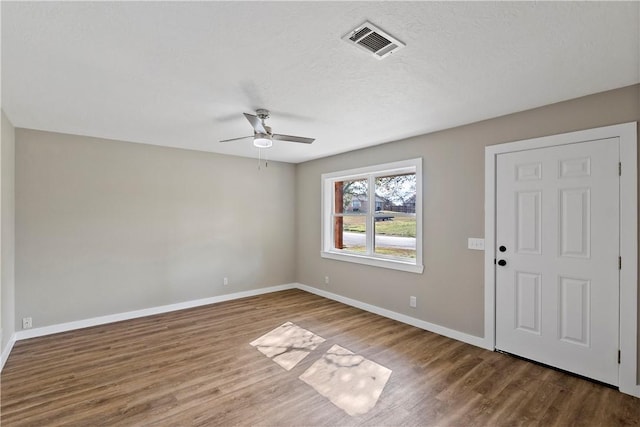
<point x="557" y="296"/>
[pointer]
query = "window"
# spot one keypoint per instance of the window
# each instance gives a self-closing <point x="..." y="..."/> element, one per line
<point x="373" y="215"/>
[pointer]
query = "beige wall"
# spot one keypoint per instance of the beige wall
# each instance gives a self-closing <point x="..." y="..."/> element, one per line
<point x="105" y="227"/>
<point x="7" y="232"/>
<point x="450" y="291"/>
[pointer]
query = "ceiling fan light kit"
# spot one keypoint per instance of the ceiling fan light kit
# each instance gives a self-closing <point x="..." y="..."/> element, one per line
<point x="262" y="140"/>
<point x="262" y="135"/>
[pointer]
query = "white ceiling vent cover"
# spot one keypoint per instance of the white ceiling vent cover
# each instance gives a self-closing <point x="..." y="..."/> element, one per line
<point x="373" y="40"/>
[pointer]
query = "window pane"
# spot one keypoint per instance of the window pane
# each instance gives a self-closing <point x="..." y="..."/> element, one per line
<point x="395" y="216"/>
<point x="350" y="233"/>
<point x="351" y="196"/>
<point x="372" y="215"/>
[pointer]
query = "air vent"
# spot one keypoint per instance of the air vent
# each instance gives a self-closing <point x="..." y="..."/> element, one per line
<point x="372" y="39"/>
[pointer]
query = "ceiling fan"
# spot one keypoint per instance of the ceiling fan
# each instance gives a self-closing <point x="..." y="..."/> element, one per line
<point x="262" y="135"/>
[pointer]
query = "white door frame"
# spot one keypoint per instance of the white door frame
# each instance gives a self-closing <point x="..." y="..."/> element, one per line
<point x="627" y="136"/>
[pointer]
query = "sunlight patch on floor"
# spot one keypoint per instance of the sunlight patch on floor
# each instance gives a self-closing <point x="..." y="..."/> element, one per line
<point x="350" y="381"/>
<point x="287" y="344"/>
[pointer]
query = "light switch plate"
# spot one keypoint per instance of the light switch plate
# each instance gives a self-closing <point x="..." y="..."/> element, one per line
<point x="476" y="244"/>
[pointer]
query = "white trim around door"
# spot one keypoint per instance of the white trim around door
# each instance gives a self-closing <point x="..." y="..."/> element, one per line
<point x="626" y="134"/>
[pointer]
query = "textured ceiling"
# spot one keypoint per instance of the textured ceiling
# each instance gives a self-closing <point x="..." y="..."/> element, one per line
<point x="181" y="74"/>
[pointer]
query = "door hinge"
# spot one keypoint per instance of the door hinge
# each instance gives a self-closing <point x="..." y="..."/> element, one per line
<point x="619" y="168"/>
<point x="619" y="263"/>
<point x="618" y="356"/>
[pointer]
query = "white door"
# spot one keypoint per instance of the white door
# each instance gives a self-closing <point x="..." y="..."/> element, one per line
<point x="557" y="241"/>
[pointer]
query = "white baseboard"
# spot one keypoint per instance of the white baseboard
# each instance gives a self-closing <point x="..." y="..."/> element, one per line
<point x="101" y="320"/>
<point x="632" y="390"/>
<point x="7" y="350"/>
<point x="427" y="326"/>
<point x="95" y="321"/>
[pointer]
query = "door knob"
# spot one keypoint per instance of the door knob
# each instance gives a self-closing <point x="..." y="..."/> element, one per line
<point x="502" y="263"/>
<point x="502" y="249"/>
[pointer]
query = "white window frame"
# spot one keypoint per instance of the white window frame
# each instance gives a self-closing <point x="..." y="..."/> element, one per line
<point x="328" y="181"/>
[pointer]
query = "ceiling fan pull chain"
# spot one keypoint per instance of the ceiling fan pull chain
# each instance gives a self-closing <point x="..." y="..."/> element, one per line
<point x="259" y="157"/>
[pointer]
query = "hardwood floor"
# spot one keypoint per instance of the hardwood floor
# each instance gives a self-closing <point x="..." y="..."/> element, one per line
<point x="196" y="367"/>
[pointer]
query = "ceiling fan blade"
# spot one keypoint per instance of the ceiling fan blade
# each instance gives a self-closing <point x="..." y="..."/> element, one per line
<point x="237" y="139"/>
<point x="256" y="123"/>
<point x="292" y="138"/>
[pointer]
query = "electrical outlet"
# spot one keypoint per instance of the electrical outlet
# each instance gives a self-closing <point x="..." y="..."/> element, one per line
<point x="27" y="323"/>
<point x="475" y="244"/>
<point x="326" y="280"/>
<point x="225" y="281"/>
<point x="413" y="302"/>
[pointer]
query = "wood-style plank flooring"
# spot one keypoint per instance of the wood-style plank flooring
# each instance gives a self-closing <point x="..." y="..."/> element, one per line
<point x="196" y="368"/>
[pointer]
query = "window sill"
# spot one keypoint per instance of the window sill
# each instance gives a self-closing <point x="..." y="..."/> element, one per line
<point x="375" y="262"/>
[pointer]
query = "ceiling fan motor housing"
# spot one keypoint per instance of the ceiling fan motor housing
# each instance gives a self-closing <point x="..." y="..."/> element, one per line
<point x="262" y="113"/>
